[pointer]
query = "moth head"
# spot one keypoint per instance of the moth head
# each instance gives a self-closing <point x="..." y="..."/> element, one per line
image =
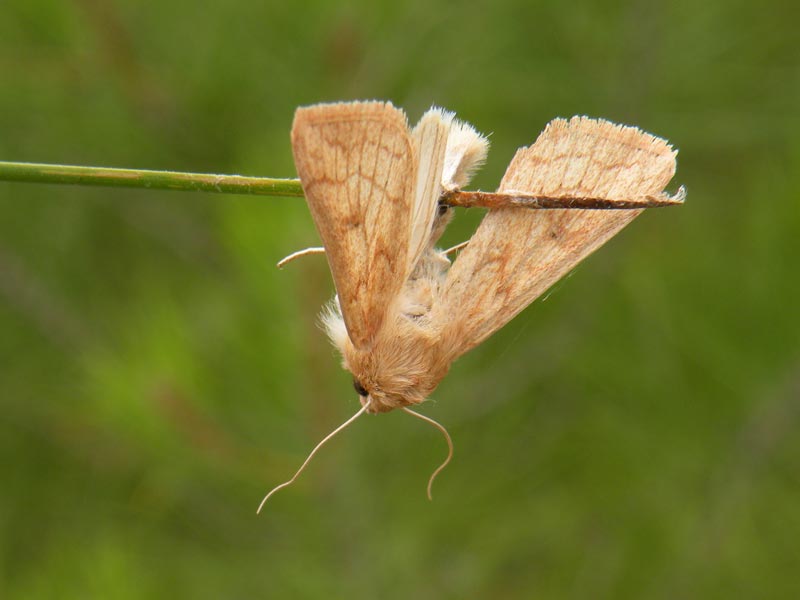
<point x="380" y="381"/>
<point x="376" y="400"/>
<point x="400" y="368"/>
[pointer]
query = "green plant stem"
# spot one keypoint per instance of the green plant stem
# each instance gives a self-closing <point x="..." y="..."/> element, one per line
<point x="153" y="180"/>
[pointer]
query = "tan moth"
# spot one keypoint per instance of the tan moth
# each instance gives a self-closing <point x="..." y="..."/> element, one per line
<point x="403" y="312"/>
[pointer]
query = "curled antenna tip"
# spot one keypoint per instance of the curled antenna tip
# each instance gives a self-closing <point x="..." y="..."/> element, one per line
<point x="446" y="437"/>
<point x="311" y="455"/>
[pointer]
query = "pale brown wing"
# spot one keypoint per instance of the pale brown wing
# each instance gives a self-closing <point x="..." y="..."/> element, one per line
<point x="358" y="169"/>
<point x="516" y="254"/>
<point x="430" y="137"/>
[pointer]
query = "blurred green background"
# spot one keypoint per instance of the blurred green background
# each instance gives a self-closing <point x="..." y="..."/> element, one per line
<point x="634" y="435"/>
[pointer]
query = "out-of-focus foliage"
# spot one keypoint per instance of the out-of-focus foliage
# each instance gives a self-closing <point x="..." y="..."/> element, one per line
<point x="634" y="435"/>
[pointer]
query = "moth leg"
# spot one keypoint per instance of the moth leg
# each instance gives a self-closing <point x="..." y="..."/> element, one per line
<point x="456" y="248"/>
<point x="300" y="253"/>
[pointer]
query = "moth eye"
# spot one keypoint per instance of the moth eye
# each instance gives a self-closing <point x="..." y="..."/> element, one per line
<point x="443" y="208"/>
<point x="360" y="388"/>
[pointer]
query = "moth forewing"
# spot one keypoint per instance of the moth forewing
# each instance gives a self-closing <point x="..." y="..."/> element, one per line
<point x="357" y="165"/>
<point x="430" y="141"/>
<point x="515" y="255"/>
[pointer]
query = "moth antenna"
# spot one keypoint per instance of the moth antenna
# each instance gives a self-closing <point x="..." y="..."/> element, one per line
<point x="457" y="247"/>
<point x="446" y="437"/>
<point x="300" y="253"/>
<point x="313" y="452"/>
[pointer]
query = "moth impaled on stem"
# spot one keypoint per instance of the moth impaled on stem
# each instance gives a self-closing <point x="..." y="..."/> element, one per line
<point x="403" y="312"/>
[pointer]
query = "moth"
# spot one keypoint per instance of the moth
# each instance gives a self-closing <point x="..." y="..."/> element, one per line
<point x="403" y="312"/>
